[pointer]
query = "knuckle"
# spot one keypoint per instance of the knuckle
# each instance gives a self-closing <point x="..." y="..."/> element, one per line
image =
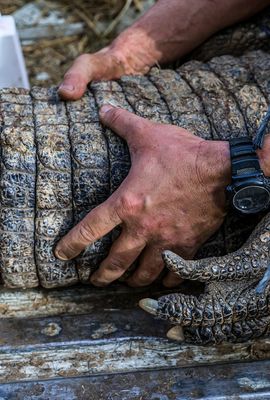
<point x="115" y="264"/>
<point x="141" y="126"/>
<point x="114" y="115"/>
<point x="83" y="58"/>
<point x="69" y="75"/>
<point x="190" y="241"/>
<point x="145" y="276"/>
<point x="131" y="204"/>
<point x="86" y="233"/>
<point x="68" y="246"/>
<point x="168" y="238"/>
<point x="80" y="64"/>
<point x="138" y="129"/>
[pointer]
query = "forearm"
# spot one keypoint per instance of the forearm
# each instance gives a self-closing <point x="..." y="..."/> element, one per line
<point x="171" y="29"/>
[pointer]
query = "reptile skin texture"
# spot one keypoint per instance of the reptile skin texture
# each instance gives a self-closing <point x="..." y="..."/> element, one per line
<point x="230" y="308"/>
<point x="57" y="162"/>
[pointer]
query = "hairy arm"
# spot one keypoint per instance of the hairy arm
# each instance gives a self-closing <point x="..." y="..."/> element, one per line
<point x="168" y="31"/>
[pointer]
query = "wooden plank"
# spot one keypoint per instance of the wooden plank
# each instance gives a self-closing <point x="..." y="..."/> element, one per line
<point x="118" y="356"/>
<point x="244" y="381"/>
<point x="83" y="331"/>
<point x="51" y="31"/>
<point x="75" y="300"/>
<point x="40" y="19"/>
<point x="21" y="333"/>
<point x="102" y="343"/>
<point x="39" y="302"/>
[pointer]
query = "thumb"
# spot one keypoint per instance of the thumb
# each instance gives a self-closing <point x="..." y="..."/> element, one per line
<point x="86" y="68"/>
<point x="76" y="78"/>
<point x="126" y="124"/>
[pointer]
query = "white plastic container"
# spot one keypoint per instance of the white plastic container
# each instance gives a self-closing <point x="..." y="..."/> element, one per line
<point x="12" y="67"/>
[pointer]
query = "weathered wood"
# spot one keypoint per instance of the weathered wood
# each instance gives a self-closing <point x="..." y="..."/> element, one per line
<point x="115" y="356"/>
<point x="50" y="31"/>
<point x="76" y="300"/>
<point x="234" y="381"/>
<point x="42" y="19"/>
<point x="110" y="336"/>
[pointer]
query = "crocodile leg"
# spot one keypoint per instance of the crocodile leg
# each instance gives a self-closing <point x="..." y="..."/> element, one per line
<point x="250" y="261"/>
<point x="233" y="313"/>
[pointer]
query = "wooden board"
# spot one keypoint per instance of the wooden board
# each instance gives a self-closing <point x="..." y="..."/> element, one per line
<point x="82" y="332"/>
<point x="249" y="381"/>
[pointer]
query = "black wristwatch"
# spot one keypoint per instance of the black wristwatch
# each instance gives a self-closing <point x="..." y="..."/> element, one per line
<point x="249" y="191"/>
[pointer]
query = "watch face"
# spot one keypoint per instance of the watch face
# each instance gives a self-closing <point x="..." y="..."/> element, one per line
<point x="251" y="199"/>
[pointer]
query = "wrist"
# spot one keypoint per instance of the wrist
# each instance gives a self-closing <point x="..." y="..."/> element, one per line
<point x="164" y="33"/>
<point x="216" y="163"/>
<point x="218" y="156"/>
<point x="169" y="30"/>
<point x="135" y="51"/>
<point x="214" y="170"/>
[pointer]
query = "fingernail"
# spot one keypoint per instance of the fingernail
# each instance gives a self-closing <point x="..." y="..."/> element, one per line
<point x="98" y="283"/>
<point x="61" y="255"/>
<point x="104" y="109"/>
<point x="66" y="86"/>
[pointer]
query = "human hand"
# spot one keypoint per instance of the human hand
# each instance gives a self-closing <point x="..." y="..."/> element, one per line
<point x="165" y="33"/>
<point x="173" y="198"/>
<point x="235" y="304"/>
<point x="124" y="56"/>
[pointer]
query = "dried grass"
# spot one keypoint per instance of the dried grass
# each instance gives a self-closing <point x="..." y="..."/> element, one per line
<point x="54" y="56"/>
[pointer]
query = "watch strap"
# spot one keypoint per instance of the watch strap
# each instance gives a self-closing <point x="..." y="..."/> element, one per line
<point x="244" y="160"/>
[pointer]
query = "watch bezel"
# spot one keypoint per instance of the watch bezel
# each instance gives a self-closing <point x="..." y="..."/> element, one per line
<point x="248" y="183"/>
<point x="246" y="173"/>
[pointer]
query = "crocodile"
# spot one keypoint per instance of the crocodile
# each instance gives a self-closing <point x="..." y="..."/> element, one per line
<point x="57" y="162"/>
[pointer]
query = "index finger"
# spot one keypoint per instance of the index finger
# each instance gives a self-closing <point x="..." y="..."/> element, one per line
<point x="92" y="227"/>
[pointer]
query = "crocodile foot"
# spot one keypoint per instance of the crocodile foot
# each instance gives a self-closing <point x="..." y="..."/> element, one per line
<point x="235" y="304"/>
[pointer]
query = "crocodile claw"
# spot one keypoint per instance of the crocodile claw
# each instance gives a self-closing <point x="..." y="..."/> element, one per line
<point x="149" y="305"/>
<point x="235" y="305"/>
<point x="176" y="333"/>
